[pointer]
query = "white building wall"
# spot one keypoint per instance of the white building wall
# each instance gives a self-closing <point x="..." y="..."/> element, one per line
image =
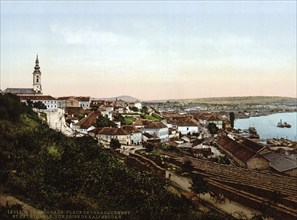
<point x="84" y="104"/>
<point x="138" y="105"/>
<point x="136" y="138"/>
<point x="187" y="129"/>
<point x="162" y="133"/>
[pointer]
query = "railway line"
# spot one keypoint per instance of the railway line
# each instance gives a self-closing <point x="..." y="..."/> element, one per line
<point x="274" y="193"/>
<point x="271" y="193"/>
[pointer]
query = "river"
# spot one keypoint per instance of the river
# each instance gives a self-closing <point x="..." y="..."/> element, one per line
<point x="266" y="125"/>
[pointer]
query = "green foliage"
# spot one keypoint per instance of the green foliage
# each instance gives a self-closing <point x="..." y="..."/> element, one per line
<point x="149" y="147"/>
<point x="10" y="107"/>
<point x="151" y="117"/>
<point x="187" y="166"/>
<point x="144" y="110"/>
<point x="134" y="109"/>
<point x="104" y="121"/>
<point x="114" y="144"/>
<point x="213" y="129"/>
<point x="58" y="172"/>
<point x="39" y="105"/>
<point x="199" y="184"/>
<point x="128" y="120"/>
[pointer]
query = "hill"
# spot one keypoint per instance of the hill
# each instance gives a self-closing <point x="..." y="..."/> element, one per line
<point x="239" y="100"/>
<point x="124" y="98"/>
<point x="48" y="170"/>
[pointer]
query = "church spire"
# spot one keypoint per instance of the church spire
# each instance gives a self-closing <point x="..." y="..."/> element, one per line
<point x="37" y="68"/>
<point x="37" y="77"/>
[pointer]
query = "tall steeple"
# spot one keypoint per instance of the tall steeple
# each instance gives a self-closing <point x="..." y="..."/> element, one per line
<point x="37" y="77"/>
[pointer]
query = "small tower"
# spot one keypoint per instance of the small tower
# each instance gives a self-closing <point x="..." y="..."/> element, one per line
<point x="37" y="77"/>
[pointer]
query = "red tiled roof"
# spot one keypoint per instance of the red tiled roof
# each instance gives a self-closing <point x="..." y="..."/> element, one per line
<point x="130" y="129"/>
<point x="141" y="122"/>
<point x="252" y="145"/>
<point x="238" y="150"/>
<point x="155" y="125"/>
<point x="88" y="121"/>
<point x="184" y="122"/>
<point x="112" y="131"/>
<point x="63" y="98"/>
<point x="83" y="98"/>
<point x="37" y="97"/>
<point x="209" y="116"/>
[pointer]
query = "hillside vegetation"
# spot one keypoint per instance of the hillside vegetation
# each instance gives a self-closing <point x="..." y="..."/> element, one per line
<point x="54" y="172"/>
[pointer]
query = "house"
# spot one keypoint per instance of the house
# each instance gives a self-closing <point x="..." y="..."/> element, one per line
<point x="95" y="104"/>
<point x="242" y="155"/>
<point x="207" y="118"/>
<point x="138" y="105"/>
<point x="184" y="123"/>
<point x="151" y="138"/>
<point x="84" y="102"/>
<point x="136" y="135"/>
<point x="72" y="102"/>
<point x="62" y="102"/>
<point x="150" y="127"/>
<point x="106" y="111"/>
<point x="282" y="163"/>
<point x="49" y="101"/>
<point x="88" y="123"/>
<point x="186" y="126"/>
<point x="106" y="134"/>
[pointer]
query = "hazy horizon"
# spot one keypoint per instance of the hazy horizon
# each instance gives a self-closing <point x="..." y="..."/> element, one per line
<point x="151" y="50"/>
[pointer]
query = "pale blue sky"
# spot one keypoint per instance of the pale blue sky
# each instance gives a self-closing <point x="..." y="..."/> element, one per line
<point x="151" y="50"/>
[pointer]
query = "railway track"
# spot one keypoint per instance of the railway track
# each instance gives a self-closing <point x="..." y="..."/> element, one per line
<point x="253" y="188"/>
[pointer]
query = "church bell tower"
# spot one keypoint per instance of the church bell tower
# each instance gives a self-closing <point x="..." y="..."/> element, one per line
<point x="37" y="77"/>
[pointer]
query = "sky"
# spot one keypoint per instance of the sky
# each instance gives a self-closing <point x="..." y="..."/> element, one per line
<point x="151" y="49"/>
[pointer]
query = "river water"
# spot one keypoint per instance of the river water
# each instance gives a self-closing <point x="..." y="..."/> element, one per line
<point x="266" y="125"/>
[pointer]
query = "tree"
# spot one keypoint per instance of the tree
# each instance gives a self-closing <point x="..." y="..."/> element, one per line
<point x="149" y="147"/>
<point x="39" y="105"/>
<point x="134" y="109"/>
<point x="232" y="119"/>
<point x="187" y="166"/>
<point x="144" y="110"/>
<point x="114" y="144"/>
<point x="103" y="121"/>
<point x="213" y="129"/>
<point x="30" y="103"/>
<point x="119" y="117"/>
<point x="199" y="185"/>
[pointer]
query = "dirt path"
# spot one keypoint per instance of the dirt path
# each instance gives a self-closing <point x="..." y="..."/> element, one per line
<point x="27" y="210"/>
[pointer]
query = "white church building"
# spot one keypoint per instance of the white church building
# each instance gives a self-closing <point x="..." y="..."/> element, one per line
<point x="34" y="94"/>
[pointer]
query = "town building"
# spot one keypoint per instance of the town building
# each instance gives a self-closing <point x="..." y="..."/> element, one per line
<point x="206" y="118"/>
<point x="150" y="127"/>
<point x="282" y="163"/>
<point x="106" y="134"/>
<point x="136" y="135"/>
<point x="88" y="123"/>
<point x="242" y="155"/>
<point x="50" y="102"/>
<point x="36" y="88"/>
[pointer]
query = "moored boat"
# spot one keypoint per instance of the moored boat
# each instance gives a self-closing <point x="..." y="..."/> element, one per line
<point x="280" y="124"/>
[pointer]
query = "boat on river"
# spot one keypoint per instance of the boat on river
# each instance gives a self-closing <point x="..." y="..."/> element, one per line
<point x="280" y="124"/>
